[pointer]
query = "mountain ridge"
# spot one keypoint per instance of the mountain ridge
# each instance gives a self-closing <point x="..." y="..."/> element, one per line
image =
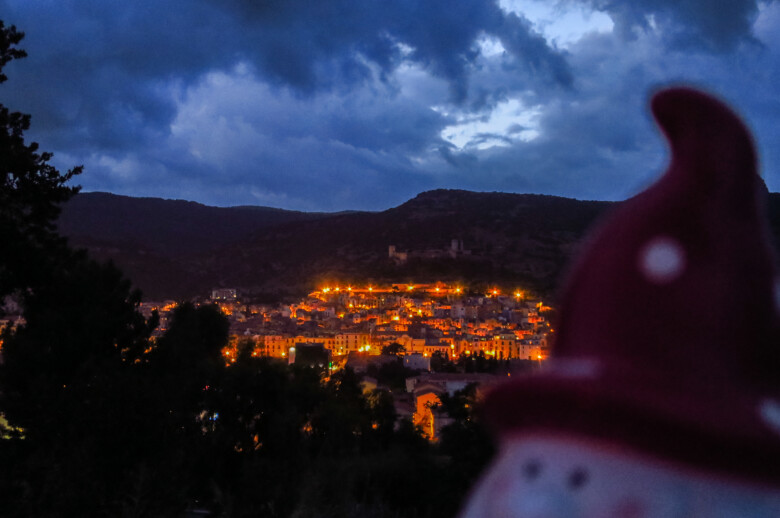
<point x="177" y="249"/>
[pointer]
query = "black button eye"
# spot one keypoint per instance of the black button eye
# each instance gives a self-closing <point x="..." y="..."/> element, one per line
<point x="578" y="478"/>
<point x="532" y="469"/>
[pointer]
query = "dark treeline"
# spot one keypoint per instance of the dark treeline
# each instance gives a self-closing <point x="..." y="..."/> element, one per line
<point x="101" y="420"/>
<point x="106" y="432"/>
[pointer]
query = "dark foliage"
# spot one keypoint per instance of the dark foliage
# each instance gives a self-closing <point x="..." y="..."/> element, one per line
<point x="466" y="441"/>
<point x="391" y="374"/>
<point x="31" y="191"/>
<point x="440" y="362"/>
<point x="478" y="363"/>
<point x="393" y="348"/>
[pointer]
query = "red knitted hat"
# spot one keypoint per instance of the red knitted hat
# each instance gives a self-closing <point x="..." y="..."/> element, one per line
<point x="669" y="336"/>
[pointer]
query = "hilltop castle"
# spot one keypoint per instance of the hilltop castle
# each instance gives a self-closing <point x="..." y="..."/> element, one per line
<point x="455" y="250"/>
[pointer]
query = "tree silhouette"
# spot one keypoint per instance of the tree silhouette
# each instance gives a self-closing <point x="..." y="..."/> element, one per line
<point x="394" y="348"/>
<point x="69" y="384"/>
<point x="31" y="191"/>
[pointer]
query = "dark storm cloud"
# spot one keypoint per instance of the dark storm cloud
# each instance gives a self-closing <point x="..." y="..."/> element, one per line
<point x="307" y="43"/>
<point x="98" y="72"/>
<point x="717" y="25"/>
<point x="111" y="61"/>
<point x="532" y="51"/>
<point x="516" y="128"/>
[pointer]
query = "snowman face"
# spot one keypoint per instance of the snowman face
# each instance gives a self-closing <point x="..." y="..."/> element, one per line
<point x="559" y="477"/>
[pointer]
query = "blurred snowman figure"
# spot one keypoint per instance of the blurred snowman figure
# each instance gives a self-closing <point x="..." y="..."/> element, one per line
<point x="662" y="395"/>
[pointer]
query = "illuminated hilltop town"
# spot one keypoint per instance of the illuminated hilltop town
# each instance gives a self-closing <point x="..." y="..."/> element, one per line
<point x="425" y="320"/>
<point x="421" y="321"/>
<point x="424" y="326"/>
<point x="420" y="326"/>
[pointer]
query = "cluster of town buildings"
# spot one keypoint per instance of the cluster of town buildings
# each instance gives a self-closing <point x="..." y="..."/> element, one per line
<point x="352" y="325"/>
<point x="423" y="319"/>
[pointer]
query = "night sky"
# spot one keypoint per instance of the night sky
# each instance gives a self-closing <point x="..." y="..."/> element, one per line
<point x="334" y="105"/>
